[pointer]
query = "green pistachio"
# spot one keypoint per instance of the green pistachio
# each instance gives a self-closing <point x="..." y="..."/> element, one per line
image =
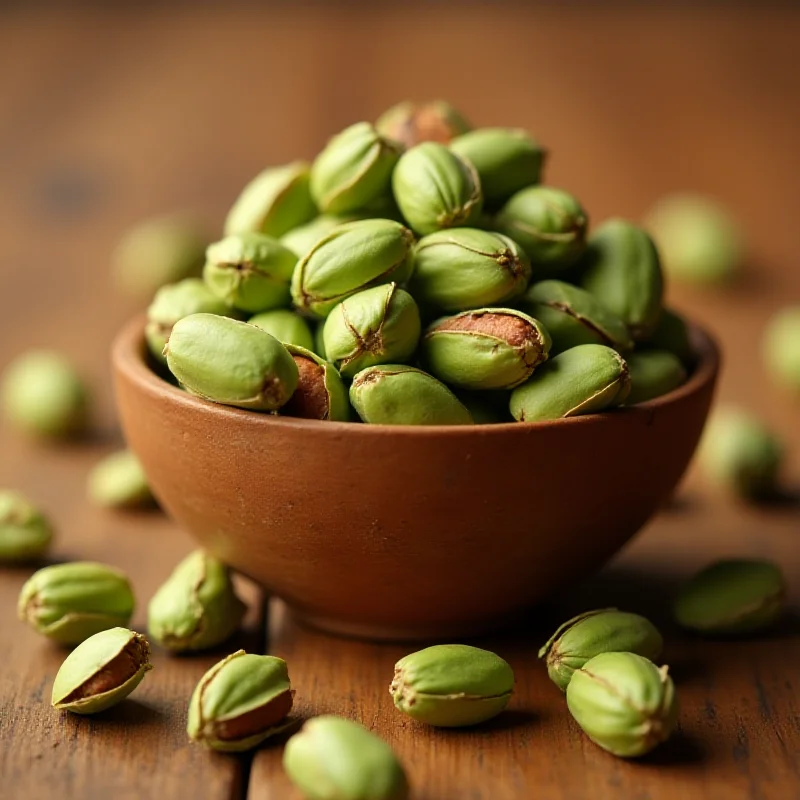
<point x="781" y="347"/>
<point x="489" y="348"/>
<point x="507" y="160"/>
<point x="302" y="238"/>
<point x="101" y="672"/>
<point x="25" y="533"/>
<point x="394" y="394"/>
<point x="732" y="597"/>
<point x="376" y="326"/>
<point x="319" y="339"/>
<point x="653" y="373"/>
<point x="412" y="123"/>
<point x="352" y="257"/>
<point x="436" y="189"/>
<point x="320" y="392"/>
<point x="623" y="702"/>
<point x="119" y="481"/>
<point x="240" y="702"/>
<point x="605" y="630"/>
<point x="463" y="268"/>
<point x="275" y="201"/>
<point x="485" y="408"/>
<point x="672" y="334"/>
<point x="286" y="326"/>
<point x="68" y="603"/>
<point x="336" y="759"/>
<point x="621" y="269"/>
<point x="231" y="362"/>
<point x="43" y="395"/>
<point x="582" y="380"/>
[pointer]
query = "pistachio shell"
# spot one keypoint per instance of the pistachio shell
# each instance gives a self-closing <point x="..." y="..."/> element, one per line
<point x="25" y="533"/>
<point x="413" y="123"/>
<point x="286" y="326"/>
<point x="653" y="373"/>
<point x="781" y="347"/>
<point x="119" y="481"/>
<point x="672" y="334"/>
<point x="321" y="393"/>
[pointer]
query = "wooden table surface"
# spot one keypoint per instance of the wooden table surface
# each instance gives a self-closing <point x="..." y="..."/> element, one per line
<point x="109" y="117"/>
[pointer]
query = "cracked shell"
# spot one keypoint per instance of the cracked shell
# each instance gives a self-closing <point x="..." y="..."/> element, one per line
<point x="412" y="123"/>
<point x="320" y="393"/>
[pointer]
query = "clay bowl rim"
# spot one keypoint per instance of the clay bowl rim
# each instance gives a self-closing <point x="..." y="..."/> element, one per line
<point x="129" y="356"/>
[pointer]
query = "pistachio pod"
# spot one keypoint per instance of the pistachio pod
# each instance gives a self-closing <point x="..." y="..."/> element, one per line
<point x="352" y="257"/>
<point x="781" y="347"/>
<point x="68" y="603"/>
<point x="463" y="268"/>
<point x="548" y="223"/>
<point x="275" y="201"/>
<point x="25" y="533"/>
<point x="572" y="316"/>
<point x="413" y="123"/>
<point x="653" y="373"/>
<point x="302" y="238"/>
<point x="507" y="160"/>
<point x="606" y="630"/>
<point x="231" y="362"/>
<point x="241" y="701"/>
<point x="581" y="380"/>
<point x="377" y="326"/>
<point x="621" y="269"/>
<point x="736" y="596"/>
<point x="320" y="392"/>
<point x="197" y="607"/>
<point x="434" y="189"/>
<point x="624" y="703"/>
<point x="101" y="671"/>
<point x="489" y="348"/>
<point x="336" y="759"/>
<point x="319" y="339"/>
<point x="672" y="334"/>
<point x="119" y="481"/>
<point x="353" y="170"/>
<point x="452" y="685"/>
<point x="286" y="326"/>
<point x="394" y="394"/>
<point x="486" y="408"/>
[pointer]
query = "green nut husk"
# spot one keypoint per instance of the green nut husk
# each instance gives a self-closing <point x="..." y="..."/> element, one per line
<point x="275" y="201"/>
<point x="582" y="380"/>
<point x="412" y="123"/>
<point x="250" y="271"/>
<point x="336" y="759"/>
<point x="68" y="603"/>
<point x="240" y="702"/>
<point x="606" y="630"/>
<point x="435" y="189"/>
<point x="463" y="268"/>
<point x="302" y="238"/>
<point x="197" y="607"/>
<point x="781" y="347"/>
<point x="486" y="408"/>
<point x="489" y="348"/>
<point x="624" y="703"/>
<point x="548" y="223"/>
<point x="319" y="339"/>
<point x="119" y="481"/>
<point x="736" y="596"/>
<point x="377" y="326"/>
<point x="354" y="169"/>
<point x="672" y="334"/>
<point x="43" y="395"/>
<point x="286" y="326"/>
<point x="653" y="373"/>
<point x="101" y="671"/>
<point x="452" y="685"/>
<point x="25" y="533"/>
<point x="320" y="393"/>
<point x="231" y="362"/>
<point x="621" y="269"/>
<point x="352" y="257"/>
<point x="507" y="160"/>
<point x="394" y="394"/>
<point x="572" y="316"/>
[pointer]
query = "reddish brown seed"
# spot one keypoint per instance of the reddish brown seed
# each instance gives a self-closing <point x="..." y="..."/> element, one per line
<point x="256" y="721"/>
<point x="310" y="399"/>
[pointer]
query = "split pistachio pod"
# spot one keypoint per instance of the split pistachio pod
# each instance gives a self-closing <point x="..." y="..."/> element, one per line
<point x="320" y="393"/>
<point x="275" y="201"/>
<point x="25" y="533"/>
<point x="507" y="160"/>
<point x="101" y="672"/>
<point x="581" y="380"/>
<point x="377" y="326"/>
<point x="250" y="271"/>
<point x="336" y="759"/>
<point x="197" y="607"/>
<point x="653" y="373"/>
<point x="781" y="347"/>
<point x="286" y="326"/>
<point x="394" y="394"/>
<point x="240" y="702"/>
<point x="548" y="223"/>
<point x="624" y="703"/>
<point x="489" y="348"/>
<point x="353" y="170"/>
<point x="412" y="123"/>
<point x="452" y="685"/>
<point x="606" y="630"/>
<point x="672" y="334"/>
<point x="231" y="362"/>
<point x="302" y="238"/>
<point x="622" y="270"/>
<point x="463" y="268"/>
<point x="736" y="596"/>
<point x="435" y="189"/>
<point x="572" y="316"/>
<point x="119" y="481"/>
<point x="68" y="603"/>
<point x="352" y="257"/>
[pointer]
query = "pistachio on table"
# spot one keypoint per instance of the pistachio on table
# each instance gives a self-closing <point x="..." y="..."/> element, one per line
<point x="25" y="533"/>
<point x="781" y="347"/>
<point x="286" y="326"/>
<point x="119" y="481"/>
<point x="320" y="393"/>
<point x="413" y="123"/>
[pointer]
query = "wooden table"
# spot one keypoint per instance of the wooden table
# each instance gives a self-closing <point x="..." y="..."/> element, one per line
<point x="106" y="117"/>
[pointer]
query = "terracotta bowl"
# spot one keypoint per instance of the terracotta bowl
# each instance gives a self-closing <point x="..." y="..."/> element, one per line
<point x="408" y="532"/>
